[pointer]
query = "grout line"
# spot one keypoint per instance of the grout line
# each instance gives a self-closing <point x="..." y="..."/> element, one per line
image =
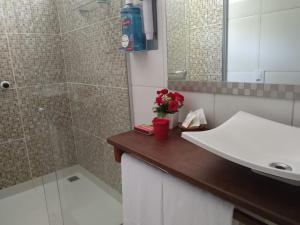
<point x="99" y="85"/>
<point x="42" y="34"/>
<point x="214" y="110"/>
<point x="77" y="83"/>
<point x="130" y="91"/>
<point x="40" y="85"/>
<point x="90" y="25"/>
<point x="91" y="134"/>
<point x="69" y="100"/>
<point x="11" y="140"/>
<point x="260" y="41"/>
<point x="261" y="13"/>
<point x="151" y="86"/>
<point x="60" y="18"/>
<point x="293" y="112"/>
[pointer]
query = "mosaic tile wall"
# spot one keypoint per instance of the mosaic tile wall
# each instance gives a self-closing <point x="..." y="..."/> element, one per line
<point x="33" y="142"/>
<point x="68" y="80"/>
<point x="97" y="82"/>
<point x="195" y="31"/>
<point x="177" y="35"/>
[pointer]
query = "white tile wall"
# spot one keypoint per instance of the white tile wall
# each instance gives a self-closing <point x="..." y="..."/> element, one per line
<point x="148" y="74"/>
<point x="296" y="120"/>
<point x="243" y="44"/>
<point x="252" y="39"/>
<point x="274" y="109"/>
<point x="243" y="77"/>
<point x="244" y="8"/>
<point x="275" y="5"/>
<point x="147" y="68"/>
<point x="276" y="31"/>
<point x="143" y="101"/>
<point x="282" y="77"/>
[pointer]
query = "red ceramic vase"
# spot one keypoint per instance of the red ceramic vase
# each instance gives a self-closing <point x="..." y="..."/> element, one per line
<point x="161" y="128"/>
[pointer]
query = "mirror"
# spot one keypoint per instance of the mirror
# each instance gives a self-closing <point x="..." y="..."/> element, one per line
<point x="194" y="39"/>
<point x="246" y="41"/>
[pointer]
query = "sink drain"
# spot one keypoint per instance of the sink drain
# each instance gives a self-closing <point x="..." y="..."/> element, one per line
<point x="281" y="166"/>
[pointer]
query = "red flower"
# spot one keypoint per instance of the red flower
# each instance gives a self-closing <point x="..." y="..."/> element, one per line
<point x="173" y="106"/>
<point x="159" y="101"/>
<point x="171" y="95"/>
<point x="163" y="91"/>
<point x="179" y="98"/>
<point x="168" y="102"/>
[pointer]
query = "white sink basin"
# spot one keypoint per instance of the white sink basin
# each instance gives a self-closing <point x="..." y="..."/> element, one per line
<point x="265" y="146"/>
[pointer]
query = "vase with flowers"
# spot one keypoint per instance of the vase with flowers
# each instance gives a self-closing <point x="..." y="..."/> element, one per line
<point x="167" y="105"/>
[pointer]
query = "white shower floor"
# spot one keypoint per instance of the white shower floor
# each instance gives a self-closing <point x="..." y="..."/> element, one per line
<point x="84" y="202"/>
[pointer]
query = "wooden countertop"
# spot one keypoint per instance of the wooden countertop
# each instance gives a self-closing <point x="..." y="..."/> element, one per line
<point x="271" y="199"/>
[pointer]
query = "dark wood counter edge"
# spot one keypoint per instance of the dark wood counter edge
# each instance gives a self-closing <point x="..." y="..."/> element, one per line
<point x="247" y="204"/>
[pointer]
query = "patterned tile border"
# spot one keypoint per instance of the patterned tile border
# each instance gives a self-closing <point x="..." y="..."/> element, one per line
<point x="279" y="91"/>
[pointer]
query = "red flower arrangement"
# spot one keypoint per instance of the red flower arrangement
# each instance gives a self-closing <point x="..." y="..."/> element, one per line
<point x="167" y="102"/>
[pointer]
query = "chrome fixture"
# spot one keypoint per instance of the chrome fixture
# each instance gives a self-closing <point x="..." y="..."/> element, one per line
<point x="4" y="85"/>
<point x="178" y="75"/>
<point x="281" y="166"/>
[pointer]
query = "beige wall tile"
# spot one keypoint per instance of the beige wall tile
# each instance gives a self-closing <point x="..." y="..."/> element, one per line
<point x="53" y="149"/>
<point x="37" y="59"/>
<point x="112" y="170"/>
<point x="52" y="100"/>
<point x="76" y="19"/>
<point x="2" y="24"/>
<point x="36" y="52"/>
<point x="6" y="72"/>
<point x="29" y="16"/>
<point x="13" y="163"/>
<point x="116" y="114"/>
<point x="10" y="124"/>
<point x="90" y="152"/>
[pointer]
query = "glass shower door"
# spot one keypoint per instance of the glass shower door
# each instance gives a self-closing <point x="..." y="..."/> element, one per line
<point x="29" y="156"/>
<point x="36" y="137"/>
<point x="54" y="110"/>
<point x="42" y="121"/>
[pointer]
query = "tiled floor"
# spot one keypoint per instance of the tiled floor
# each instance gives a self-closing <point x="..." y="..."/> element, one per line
<point x="85" y="201"/>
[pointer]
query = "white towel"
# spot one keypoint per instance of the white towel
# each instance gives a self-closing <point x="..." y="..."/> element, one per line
<point x="142" y="193"/>
<point x="185" y="204"/>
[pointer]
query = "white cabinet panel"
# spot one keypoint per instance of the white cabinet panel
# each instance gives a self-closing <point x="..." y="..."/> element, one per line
<point x="243" y="44"/>
<point x="280" y="41"/>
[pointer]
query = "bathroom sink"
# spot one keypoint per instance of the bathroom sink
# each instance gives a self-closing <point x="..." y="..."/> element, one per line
<point x="265" y="146"/>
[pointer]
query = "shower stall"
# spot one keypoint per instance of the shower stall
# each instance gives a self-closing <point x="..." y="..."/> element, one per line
<point x="65" y="92"/>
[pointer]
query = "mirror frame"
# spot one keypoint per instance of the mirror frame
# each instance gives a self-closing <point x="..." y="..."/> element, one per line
<point x="276" y="91"/>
